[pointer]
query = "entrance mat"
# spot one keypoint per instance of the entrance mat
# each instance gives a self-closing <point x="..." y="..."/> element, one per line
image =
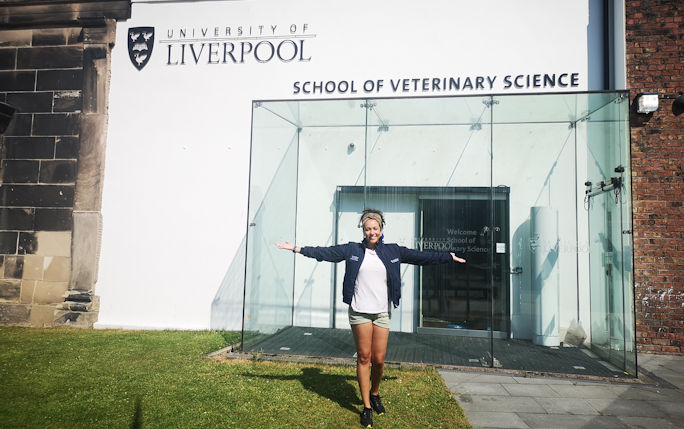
<point x="441" y="350"/>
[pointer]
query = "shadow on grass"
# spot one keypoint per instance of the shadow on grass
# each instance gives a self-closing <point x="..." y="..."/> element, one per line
<point x="335" y="387"/>
<point x="137" y="417"/>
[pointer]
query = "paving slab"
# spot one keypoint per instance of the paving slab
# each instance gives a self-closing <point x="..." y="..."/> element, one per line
<point x="543" y="380"/>
<point x="572" y="406"/>
<point x="571" y="422"/>
<point x="652" y="393"/>
<point x="480" y="420"/>
<point x="499" y="403"/>
<point x="478" y="389"/>
<point x="648" y="423"/>
<point x="595" y="391"/>
<point x="671" y="409"/>
<point x="469" y="377"/>
<point x="625" y="407"/>
<point x="530" y="390"/>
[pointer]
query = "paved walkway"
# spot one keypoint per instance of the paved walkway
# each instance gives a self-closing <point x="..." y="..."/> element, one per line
<point x="505" y="401"/>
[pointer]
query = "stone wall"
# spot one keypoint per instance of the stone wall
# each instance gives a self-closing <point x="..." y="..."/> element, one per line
<point x="655" y="53"/>
<point x="54" y="69"/>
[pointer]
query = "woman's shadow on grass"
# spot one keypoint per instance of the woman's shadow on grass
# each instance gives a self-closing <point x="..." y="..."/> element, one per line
<point x="335" y="387"/>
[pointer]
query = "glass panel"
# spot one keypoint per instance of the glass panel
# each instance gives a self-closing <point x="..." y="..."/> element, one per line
<point x="609" y="209"/>
<point x="428" y="170"/>
<point x="272" y="200"/>
<point x="536" y="234"/>
<point x="330" y="157"/>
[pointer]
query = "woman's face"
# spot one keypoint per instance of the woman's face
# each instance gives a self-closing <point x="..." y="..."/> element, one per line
<point x="372" y="231"/>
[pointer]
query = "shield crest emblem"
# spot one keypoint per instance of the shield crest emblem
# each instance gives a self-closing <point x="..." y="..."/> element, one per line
<point x="140" y="44"/>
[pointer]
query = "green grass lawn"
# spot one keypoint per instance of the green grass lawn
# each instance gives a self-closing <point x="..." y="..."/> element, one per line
<point x="61" y="378"/>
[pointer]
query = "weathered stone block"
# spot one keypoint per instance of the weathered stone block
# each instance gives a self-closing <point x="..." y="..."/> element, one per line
<point x="14" y="314"/>
<point x="75" y="319"/>
<point x="84" y="265"/>
<point x="91" y="163"/>
<point x="42" y="316"/>
<point x="53" y="243"/>
<point x="57" y="269"/>
<point x="53" y="220"/>
<point x="31" y="102"/>
<point x="56" y="124"/>
<point x="29" y="147"/>
<point x="14" y="171"/>
<point x="17" y="80"/>
<point x="15" y="37"/>
<point x="20" y="125"/>
<point x="95" y="88"/>
<point x="16" y="219"/>
<point x="8" y="59"/>
<point x="67" y="147"/>
<point x="27" y="243"/>
<point x="49" y="292"/>
<point x="67" y="101"/>
<point x="62" y="171"/>
<point x="10" y="290"/>
<point x="49" y="80"/>
<point x="79" y="296"/>
<point x="27" y="288"/>
<point x="50" y="57"/>
<point x="49" y="37"/>
<point x="33" y="267"/>
<point x="8" y="242"/>
<point x="2" y="266"/>
<point x="37" y="195"/>
<point x="14" y="267"/>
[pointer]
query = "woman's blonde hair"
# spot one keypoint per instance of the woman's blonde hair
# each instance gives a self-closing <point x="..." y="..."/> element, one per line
<point x="374" y="214"/>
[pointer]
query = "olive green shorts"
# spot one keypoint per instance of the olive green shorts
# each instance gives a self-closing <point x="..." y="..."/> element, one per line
<point x="382" y="320"/>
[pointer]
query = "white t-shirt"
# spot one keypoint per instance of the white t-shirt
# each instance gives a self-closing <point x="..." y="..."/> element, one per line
<point x="370" y="289"/>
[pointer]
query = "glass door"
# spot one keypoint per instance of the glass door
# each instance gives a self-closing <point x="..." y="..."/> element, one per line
<point x="459" y="299"/>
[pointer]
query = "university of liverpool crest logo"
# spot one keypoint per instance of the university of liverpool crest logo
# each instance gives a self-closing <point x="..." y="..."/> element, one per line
<point x="140" y="44"/>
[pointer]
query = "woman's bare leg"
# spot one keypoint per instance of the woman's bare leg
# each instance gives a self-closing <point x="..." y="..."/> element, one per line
<point x="363" y="338"/>
<point x="378" y="352"/>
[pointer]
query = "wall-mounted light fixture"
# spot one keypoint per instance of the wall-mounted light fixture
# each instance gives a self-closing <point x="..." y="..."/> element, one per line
<point x="678" y="105"/>
<point x="647" y="102"/>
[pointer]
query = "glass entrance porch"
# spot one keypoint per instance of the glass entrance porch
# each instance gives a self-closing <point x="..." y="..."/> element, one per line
<point x="533" y="190"/>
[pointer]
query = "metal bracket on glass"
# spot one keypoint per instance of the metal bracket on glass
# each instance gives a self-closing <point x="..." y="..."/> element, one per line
<point x="489" y="103"/>
<point x="516" y="270"/>
<point x="614" y="184"/>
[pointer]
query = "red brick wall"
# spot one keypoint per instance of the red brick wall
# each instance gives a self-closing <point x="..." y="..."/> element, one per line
<point x="655" y="63"/>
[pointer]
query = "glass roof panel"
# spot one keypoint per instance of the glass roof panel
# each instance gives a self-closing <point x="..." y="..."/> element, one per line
<point x="458" y="110"/>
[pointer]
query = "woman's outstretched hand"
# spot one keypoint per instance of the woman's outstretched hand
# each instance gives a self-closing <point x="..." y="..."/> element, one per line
<point x="285" y="246"/>
<point x="457" y="259"/>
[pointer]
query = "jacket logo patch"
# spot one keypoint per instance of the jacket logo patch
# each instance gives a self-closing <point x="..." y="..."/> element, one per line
<point x="354" y="258"/>
<point x="395" y="260"/>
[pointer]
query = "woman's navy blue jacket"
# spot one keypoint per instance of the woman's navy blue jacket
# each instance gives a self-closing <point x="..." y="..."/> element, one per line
<point x="391" y="255"/>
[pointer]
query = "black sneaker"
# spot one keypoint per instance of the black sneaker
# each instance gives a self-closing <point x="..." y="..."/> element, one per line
<point x="376" y="403"/>
<point x="367" y="418"/>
